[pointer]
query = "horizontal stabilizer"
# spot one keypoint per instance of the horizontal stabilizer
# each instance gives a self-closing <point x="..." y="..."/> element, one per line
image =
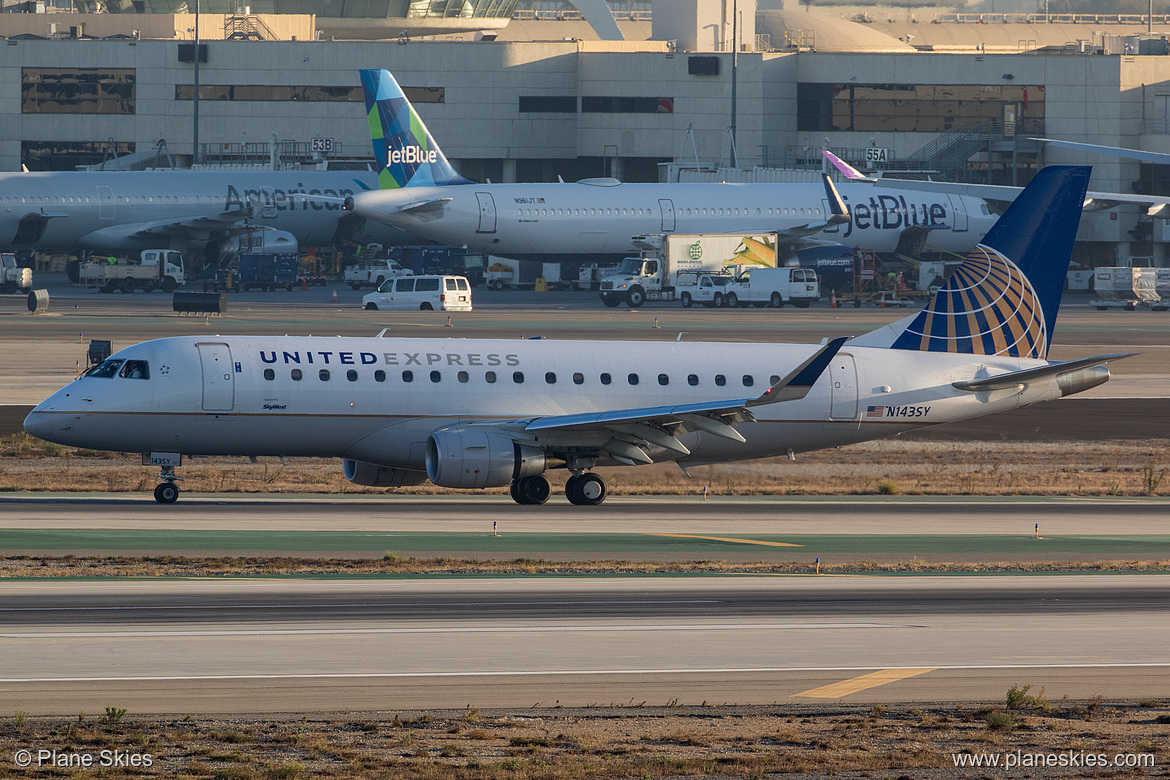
<point x="1017" y="378"/>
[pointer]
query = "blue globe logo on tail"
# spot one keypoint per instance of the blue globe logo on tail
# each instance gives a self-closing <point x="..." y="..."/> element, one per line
<point x="986" y="307"/>
<point x="1004" y="298"/>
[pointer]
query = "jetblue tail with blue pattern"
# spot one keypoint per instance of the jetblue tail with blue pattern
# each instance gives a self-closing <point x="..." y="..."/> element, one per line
<point x="407" y="154"/>
<point x="1004" y="298"/>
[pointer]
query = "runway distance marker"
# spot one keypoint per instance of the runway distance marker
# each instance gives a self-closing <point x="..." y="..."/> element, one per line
<point x="864" y="682"/>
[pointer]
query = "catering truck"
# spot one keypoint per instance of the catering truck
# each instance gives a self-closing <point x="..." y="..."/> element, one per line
<point x="654" y="274"/>
<point x="156" y="268"/>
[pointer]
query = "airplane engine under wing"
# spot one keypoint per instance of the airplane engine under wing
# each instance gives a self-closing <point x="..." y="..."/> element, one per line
<point x="469" y="458"/>
<point x="371" y="474"/>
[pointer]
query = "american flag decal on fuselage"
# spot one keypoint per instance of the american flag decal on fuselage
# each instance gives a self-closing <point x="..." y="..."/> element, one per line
<point x="875" y="411"/>
<point x="986" y="307"/>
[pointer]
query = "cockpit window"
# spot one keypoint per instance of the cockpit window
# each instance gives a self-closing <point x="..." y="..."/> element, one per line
<point x="106" y="369"/>
<point x="135" y="369"/>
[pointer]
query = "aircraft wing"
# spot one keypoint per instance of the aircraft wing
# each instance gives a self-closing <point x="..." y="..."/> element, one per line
<point x="625" y="434"/>
<point x="228" y="221"/>
<point x="1155" y="205"/>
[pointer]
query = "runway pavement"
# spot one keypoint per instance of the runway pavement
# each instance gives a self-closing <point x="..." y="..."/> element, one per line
<point x="211" y="646"/>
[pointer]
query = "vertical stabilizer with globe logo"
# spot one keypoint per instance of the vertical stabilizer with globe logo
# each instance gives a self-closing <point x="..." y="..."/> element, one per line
<point x="1004" y="298"/>
<point x="407" y="154"/>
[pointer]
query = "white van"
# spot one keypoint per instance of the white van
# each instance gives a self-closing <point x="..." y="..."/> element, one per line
<point x="774" y="287"/>
<point x="427" y="293"/>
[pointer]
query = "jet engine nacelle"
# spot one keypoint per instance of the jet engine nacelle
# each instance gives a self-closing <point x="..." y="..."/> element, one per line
<point x="371" y="474"/>
<point x="462" y="458"/>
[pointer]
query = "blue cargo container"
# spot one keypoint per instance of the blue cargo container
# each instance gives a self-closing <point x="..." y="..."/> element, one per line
<point x="267" y="272"/>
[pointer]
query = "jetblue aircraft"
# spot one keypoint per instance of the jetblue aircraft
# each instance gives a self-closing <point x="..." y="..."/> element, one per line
<point x="595" y="219"/>
<point x="1155" y="205"/>
<point x="201" y="212"/>
<point x="478" y="413"/>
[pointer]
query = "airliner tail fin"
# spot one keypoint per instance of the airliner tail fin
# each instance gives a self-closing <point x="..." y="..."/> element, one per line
<point x="407" y="154"/>
<point x="1004" y="298"/>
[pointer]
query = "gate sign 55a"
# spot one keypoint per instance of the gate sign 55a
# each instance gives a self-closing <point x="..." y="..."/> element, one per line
<point x="876" y="154"/>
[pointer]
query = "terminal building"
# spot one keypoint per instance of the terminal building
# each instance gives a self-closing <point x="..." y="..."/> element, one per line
<point x="638" y="96"/>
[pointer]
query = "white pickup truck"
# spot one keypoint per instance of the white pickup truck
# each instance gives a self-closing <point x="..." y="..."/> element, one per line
<point x="373" y="272"/>
<point x="707" y="289"/>
<point x="12" y="276"/>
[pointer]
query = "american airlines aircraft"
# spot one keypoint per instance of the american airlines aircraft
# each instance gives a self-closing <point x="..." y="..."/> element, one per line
<point x="481" y="413"/>
<point x="194" y="211"/>
<point x="595" y="219"/>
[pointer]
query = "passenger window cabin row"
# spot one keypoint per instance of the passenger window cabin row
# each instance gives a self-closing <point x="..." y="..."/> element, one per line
<point x="550" y="377"/>
<point x="688" y="212"/>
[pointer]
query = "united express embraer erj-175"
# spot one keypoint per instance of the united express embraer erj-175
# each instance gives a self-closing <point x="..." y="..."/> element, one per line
<point x="596" y="219"/>
<point x="481" y="413"/>
<point x="199" y="211"/>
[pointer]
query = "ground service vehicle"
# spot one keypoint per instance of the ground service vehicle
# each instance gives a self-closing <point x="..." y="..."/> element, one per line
<point x="653" y="276"/>
<point x="12" y="276"/>
<point x="161" y="268"/>
<point x="372" y="273"/>
<point x="703" y="288"/>
<point x="267" y="272"/>
<point x="774" y="287"/>
<point x="1126" y="288"/>
<point x="426" y="293"/>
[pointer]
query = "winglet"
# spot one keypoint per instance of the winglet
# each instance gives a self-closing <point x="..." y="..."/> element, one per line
<point x="847" y="170"/>
<point x="838" y="211"/>
<point x="800" y="380"/>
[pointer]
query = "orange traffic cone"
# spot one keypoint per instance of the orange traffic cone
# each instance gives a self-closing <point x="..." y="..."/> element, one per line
<point x="833" y="299"/>
<point x="304" y="284"/>
<point x="335" y="295"/>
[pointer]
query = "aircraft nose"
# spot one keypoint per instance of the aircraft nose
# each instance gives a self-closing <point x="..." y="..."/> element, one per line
<point x="38" y="424"/>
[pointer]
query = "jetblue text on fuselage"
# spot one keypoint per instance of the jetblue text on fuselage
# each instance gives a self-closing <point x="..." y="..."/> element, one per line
<point x="889" y="212"/>
<point x="331" y="357"/>
<point x="284" y="200"/>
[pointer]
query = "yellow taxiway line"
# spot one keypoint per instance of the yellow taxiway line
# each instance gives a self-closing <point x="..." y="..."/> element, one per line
<point x="729" y="539"/>
<point x="865" y="681"/>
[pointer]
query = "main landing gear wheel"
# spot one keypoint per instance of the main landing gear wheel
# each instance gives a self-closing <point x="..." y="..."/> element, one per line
<point x="530" y="490"/>
<point x="166" y="493"/>
<point x="585" y="490"/>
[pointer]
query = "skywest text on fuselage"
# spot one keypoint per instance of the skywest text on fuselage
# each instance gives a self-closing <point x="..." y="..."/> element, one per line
<point x="490" y="359"/>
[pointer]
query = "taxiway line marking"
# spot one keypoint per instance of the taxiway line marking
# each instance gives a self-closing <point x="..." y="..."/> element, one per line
<point x="730" y="539"/>
<point x="540" y="673"/>
<point x="864" y="682"/>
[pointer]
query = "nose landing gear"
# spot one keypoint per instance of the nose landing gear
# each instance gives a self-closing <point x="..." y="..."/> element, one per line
<point x="167" y="491"/>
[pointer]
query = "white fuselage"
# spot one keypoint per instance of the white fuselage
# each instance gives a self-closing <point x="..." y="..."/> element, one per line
<point x="580" y="219"/>
<point x="131" y="210"/>
<point x="209" y="395"/>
